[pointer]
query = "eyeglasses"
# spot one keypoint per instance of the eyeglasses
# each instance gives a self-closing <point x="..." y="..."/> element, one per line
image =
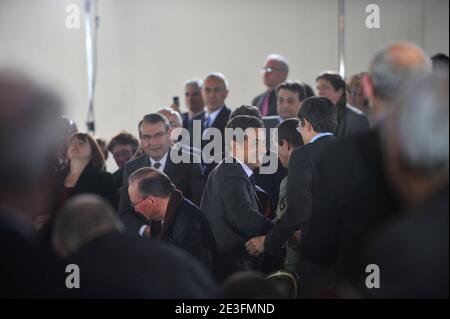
<point x="270" y="70"/>
<point x="135" y="205"/>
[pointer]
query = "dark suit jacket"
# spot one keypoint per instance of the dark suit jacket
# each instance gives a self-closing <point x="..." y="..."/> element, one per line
<point x="354" y="197"/>
<point x="95" y="181"/>
<point x="188" y="229"/>
<point x="412" y="253"/>
<point x="352" y="122"/>
<point x="257" y="101"/>
<point x="269" y="183"/>
<point x="301" y="184"/>
<point x="118" y="177"/>
<point x="120" y="266"/>
<point x="27" y="270"/>
<point x="219" y="123"/>
<point x="229" y="202"/>
<point x="187" y="177"/>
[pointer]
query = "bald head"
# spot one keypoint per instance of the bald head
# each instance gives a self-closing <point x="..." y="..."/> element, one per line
<point x="395" y="64"/>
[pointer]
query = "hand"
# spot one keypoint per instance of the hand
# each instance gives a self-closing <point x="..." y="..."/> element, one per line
<point x="255" y="246"/>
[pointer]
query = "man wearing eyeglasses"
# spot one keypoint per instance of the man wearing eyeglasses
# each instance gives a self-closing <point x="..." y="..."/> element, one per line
<point x="275" y="72"/>
<point x="180" y="222"/>
<point x="154" y="134"/>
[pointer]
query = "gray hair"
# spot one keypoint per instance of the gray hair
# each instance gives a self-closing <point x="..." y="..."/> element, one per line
<point x="395" y="64"/>
<point x="151" y="181"/>
<point x="217" y="75"/>
<point x="173" y="112"/>
<point x="194" y="82"/>
<point x="420" y="124"/>
<point x="84" y="218"/>
<point x="280" y="59"/>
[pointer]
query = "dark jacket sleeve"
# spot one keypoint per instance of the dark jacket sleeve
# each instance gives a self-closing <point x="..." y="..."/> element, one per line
<point x="196" y="182"/>
<point x="299" y="202"/>
<point x="239" y="213"/>
<point x="108" y="188"/>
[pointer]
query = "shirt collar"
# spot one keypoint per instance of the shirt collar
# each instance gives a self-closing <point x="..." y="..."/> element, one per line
<point x="247" y="169"/>
<point x="315" y="138"/>
<point x="162" y="161"/>
<point x="213" y="115"/>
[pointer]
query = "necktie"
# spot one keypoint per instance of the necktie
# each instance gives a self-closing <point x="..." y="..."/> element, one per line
<point x="265" y="105"/>
<point x="207" y="123"/>
<point x="157" y="165"/>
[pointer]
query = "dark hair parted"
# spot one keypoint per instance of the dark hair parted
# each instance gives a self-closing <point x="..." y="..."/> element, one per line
<point x="335" y="79"/>
<point x="246" y="110"/>
<point x="287" y="130"/>
<point x="123" y="138"/>
<point x="152" y="182"/>
<point x="244" y="122"/>
<point x="154" y="118"/>
<point x="320" y="112"/>
<point x="293" y="87"/>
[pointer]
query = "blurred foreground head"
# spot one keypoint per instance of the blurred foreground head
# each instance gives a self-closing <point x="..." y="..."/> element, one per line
<point x="83" y="219"/>
<point x="416" y="137"/>
<point x="30" y="134"/>
<point x="391" y="67"/>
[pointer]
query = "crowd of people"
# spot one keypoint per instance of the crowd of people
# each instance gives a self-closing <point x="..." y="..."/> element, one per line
<point x="293" y="195"/>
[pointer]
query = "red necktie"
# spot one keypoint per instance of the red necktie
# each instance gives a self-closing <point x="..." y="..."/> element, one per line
<point x="265" y="105"/>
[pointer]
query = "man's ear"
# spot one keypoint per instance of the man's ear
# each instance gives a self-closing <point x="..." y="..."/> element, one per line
<point x="367" y="86"/>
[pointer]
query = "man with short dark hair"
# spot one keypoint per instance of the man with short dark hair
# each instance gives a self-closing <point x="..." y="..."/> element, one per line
<point x="154" y="133"/>
<point x="355" y="194"/>
<point x="350" y="120"/>
<point x="229" y="200"/>
<point x="176" y="220"/>
<point x="317" y="122"/>
<point x="122" y="147"/>
<point x="289" y="98"/>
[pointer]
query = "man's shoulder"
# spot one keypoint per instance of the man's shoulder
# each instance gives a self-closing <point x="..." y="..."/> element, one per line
<point x="228" y="168"/>
<point x="138" y="162"/>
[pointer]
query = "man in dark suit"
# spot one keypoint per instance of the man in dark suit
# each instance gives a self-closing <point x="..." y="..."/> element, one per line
<point x="112" y="264"/>
<point x="317" y="122"/>
<point x="193" y="100"/>
<point x="180" y="222"/>
<point x="351" y="121"/>
<point x="30" y="122"/>
<point x="355" y="194"/>
<point x="209" y="126"/>
<point x="275" y="72"/>
<point x="185" y="171"/>
<point x="411" y="249"/>
<point x="229" y="200"/>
